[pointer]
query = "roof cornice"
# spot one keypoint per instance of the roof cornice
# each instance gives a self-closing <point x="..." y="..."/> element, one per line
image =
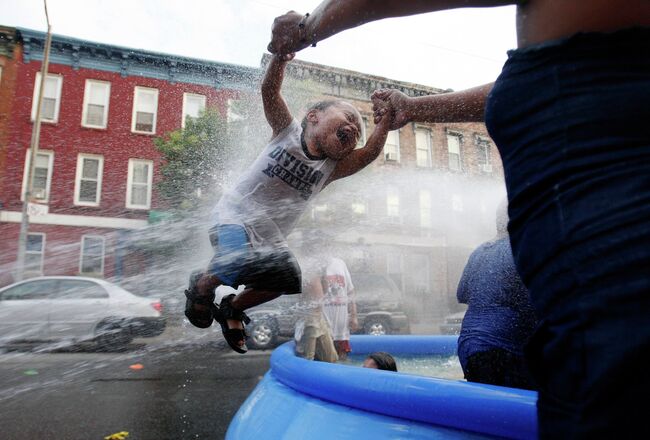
<point x="129" y="61"/>
<point x="342" y="78"/>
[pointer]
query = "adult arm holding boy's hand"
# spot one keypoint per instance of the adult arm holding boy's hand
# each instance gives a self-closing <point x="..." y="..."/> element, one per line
<point x="359" y="159"/>
<point x="463" y="106"/>
<point x="292" y="31"/>
<point x="275" y="107"/>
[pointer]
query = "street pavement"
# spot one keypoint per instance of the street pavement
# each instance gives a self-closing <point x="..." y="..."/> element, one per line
<point x="184" y="384"/>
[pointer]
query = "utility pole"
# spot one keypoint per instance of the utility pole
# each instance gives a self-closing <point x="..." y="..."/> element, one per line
<point x="36" y="133"/>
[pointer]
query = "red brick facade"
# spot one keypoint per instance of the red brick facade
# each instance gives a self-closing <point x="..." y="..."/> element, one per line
<point x="66" y="222"/>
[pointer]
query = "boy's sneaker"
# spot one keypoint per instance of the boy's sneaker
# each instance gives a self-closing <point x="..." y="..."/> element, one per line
<point x="199" y="318"/>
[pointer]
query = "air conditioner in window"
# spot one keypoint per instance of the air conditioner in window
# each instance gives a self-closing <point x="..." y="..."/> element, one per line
<point x="391" y="156"/>
<point x="38" y="193"/>
<point x="486" y="168"/>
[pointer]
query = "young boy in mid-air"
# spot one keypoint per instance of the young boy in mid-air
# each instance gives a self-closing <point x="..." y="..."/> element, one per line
<point x="252" y="219"/>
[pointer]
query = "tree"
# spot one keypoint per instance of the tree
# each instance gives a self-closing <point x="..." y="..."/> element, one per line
<point x="212" y="150"/>
<point x="196" y="159"/>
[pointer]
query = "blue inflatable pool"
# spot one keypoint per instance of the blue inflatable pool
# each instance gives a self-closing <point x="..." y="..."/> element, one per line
<point x="299" y="399"/>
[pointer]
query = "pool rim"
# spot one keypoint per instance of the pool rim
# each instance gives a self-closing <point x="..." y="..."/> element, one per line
<point x="480" y="408"/>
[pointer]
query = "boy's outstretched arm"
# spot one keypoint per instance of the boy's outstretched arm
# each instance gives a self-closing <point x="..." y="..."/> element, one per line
<point x="359" y="159"/>
<point x="275" y="107"/>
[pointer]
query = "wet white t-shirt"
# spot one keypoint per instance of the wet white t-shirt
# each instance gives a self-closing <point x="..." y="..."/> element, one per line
<point x="338" y="286"/>
<point x="271" y="195"/>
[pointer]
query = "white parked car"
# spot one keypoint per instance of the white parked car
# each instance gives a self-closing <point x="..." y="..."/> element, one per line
<point x="74" y="309"/>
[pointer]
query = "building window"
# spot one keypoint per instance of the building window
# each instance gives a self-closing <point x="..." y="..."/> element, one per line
<point x="425" y="208"/>
<point x="34" y="251"/>
<point x="92" y="255"/>
<point x="457" y="203"/>
<point x="391" y="148"/>
<point x="319" y="212"/>
<point x="484" y="155"/>
<point x="42" y="177"/>
<point x="51" y="97"/>
<point x="361" y="142"/>
<point x="423" y="147"/>
<point x="193" y="106"/>
<point x="419" y="273"/>
<point x="359" y="207"/>
<point x="88" y="183"/>
<point x="236" y="112"/>
<point x="394" y="268"/>
<point x="392" y="205"/>
<point x="96" y="97"/>
<point x="145" y="108"/>
<point x="453" y="147"/>
<point x="138" y="186"/>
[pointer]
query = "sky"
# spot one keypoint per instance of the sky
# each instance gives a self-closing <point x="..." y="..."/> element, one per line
<point x="448" y="50"/>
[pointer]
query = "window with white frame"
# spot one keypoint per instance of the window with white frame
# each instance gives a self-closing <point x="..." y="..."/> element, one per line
<point x="359" y="207"/>
<point x="145" y="109"/>
<point x="419" y="273"/>
<point x="361" y="142"/>
<point x="193" y="106"/>
<point x="34" y="251"/>
<point x="235" y="112"/>
<point x="394" y="268"/>
<point x="138" y="185"/>
<point x="457" y="202"/>
<point x="484" y="155"/>
<point x="453" y="147"/>
<point x="319" y="211"/>
<point x="391" y="147"/>
<point x="42" y="177"/>
<point x="96" y="98"/>
<point x="88" y="183"/>
<point x="423" y="147"/>
<point x="92" y="255"/>
<point x="392" y="205"/>
<point x="425" y="208"/>
<point x="51" y="97"/>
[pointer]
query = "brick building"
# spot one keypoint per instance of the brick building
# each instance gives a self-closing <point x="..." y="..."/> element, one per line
<point x="97" y="167"/>
<point x="414" y="214"/>
<point x="419" y="210"/>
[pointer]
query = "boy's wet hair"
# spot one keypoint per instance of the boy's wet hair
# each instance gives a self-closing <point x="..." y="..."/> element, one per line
<point x="383" y="360"/>
<point x="321" y="106"/>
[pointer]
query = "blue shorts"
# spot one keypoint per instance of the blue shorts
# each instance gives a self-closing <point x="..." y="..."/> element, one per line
<point x="570" y="119"/>
<point x="235" y="262"/>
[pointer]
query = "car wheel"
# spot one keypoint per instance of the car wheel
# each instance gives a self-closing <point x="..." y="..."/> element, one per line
<point x="376" y="326"/>
<point x="111" y="337"/>
<point x="262" y="334"/>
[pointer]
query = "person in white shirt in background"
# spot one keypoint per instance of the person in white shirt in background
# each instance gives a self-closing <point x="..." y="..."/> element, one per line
<point x="339" y="307"/>
<point x="312" y="333"/>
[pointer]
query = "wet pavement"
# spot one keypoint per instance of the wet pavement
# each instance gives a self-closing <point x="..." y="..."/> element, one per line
<point x="166" y="388"/>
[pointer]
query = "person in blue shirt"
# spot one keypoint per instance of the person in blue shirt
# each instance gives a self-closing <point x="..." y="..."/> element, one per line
<point x="499" y="318"/>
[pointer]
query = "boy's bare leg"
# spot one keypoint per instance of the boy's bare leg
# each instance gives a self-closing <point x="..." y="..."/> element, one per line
<point x="308" y="343"/>
<point x="325" y="350"/>
<point x="243" y="301"/>
<point x="247" y="299"/>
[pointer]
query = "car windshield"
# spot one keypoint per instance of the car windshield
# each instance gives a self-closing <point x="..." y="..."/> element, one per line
<point x="78" y="289"/>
